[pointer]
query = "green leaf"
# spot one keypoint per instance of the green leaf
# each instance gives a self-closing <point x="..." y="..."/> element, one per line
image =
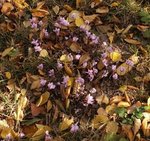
<point x="121" y="111"/>
<point x="123" y="139"/>
<point x="30" y="122"/>
<point x="111" y="137"/>
<point x="146" y="33"/>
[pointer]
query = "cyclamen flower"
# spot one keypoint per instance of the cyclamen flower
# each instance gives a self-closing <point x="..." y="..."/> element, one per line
<point x="115" y="76"/>
<point x="80" y="80"/>
<point x="51" y="85"/>
<point x="59" y="65"/>
<point x="51" y="72"/>
<point x="47" y="136"/>
<point x="75" y="39"/>
<point x="8" y="137"/>
<point x="40" y="66"/>
<point x="37" y="48"/>
<point x="122" y="69"/>
<point x="74" y="128"/>
<point x="21" y="135"/>
<point x="57" y="31"/>
<point x="77" y="57"/>
<point x="84" y="64"/>
<point x="113" y="67"/>
<point x="43" y="82"/>
<point x="105" y="73"/>
<point x="40" y="23"/>
<point x="91" y="74"/>
<point x="35" y="42"/>
<point x="63" y="22"/>
<point x="65" y="80"/>
<point x="130" y="63"/>
<point x="93" y="90"/>
<point x="89" y="99"/>
<point x="105" y="62"/>
<point x="45" y="32"/>
<point x="33" y="20"/>
<point x="34" y="25"/>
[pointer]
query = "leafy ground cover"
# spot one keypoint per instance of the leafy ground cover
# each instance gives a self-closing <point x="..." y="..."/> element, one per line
<point x="74" y="70"/>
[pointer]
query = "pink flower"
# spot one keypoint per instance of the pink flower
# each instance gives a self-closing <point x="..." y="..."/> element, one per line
<point x="65" y="80"/>
<point x="84" y="64"/>
<point x="113" y="67"/>
<point x="80" y="80"/>
<point x="104" y="55"/>
<point x="122" y="69"/>
<point x="77" y="57"/>
<point x="93" y="90"/>
<point x="34" y="25"/>
<point x="63" y="22"/>
<point x="91" y="74"/>
<point x="105" y="62"/>
<point x="59" y="65"/>
<point x="130" y="63"/>
<point x="105" y="73"/>
<point x="115" y="76"/>
<point x="74" y="128"/>
<point x="51" y="85"/>
<point x="51" y="72"/>
<point x="33" y="20"/>
<point x="40" y="66"/>
<point x="35" y="42"/>
<point x="57" y="31"/>
<point x="75" y="39"/>
<point x="47" y="136"/>
<point x="43" y="82"/>
<point x="45" y="32"/>
<point x="40" y="23"/>
<point x="37" y="48"/>
<point x="89" y="99"/>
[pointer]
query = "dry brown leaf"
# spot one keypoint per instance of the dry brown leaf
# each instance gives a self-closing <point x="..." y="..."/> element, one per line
<point x="75" y="47"/>
<point x="146" y="78"/>
<point x="43" y="53"/>
<point x="35" y="111"/>
<point x="112" y="127"/>
<point x="143" y="27"/>
<point x="101" y="111"/>
<point x="7" y="51"/>
<point x="100" y="65"/>
<point x="133" y="107"/>
<point x="102" y="10"/>
<point x="146" y="127"/>
<point x="110" y="109"/>
<point x="56" y="9"/>
<point x="90" y="18"/>
<point x="84" y="58"/>
<point x="35" y="84"/>
<point x="127" y="29"/>
<point x="128" y="131"/>
<point x="132" y="41"/>
<point x="111" y="36"/>
<point x="95" y="3"/>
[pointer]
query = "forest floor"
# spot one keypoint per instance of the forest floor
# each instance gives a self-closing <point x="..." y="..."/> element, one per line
<point x="74" y="70"/>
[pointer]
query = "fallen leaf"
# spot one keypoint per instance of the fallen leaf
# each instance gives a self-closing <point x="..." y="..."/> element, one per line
<point x="43" y="99"/>
<point x="102" y="99"/>
<point x="35" y="110"/>
<point x="101" y="111"/>
<point x="98" y="120"/>
<point x="84" y="58"/>
<point x="35" y="84"/>
<point x="132" y="41"/>
<point x="79" y="21"/>
<point x="75" y="47"/>
<point x="111" y="36"/>
<point x="123" y="104"/>
<point x="21" y="4"/>
<point x="110" y="109"/>
<point x="43" y="53"/>
<point x="7" y="8"/>
<point x="128" y="131"/>
<point x="137" y="126"/>
<point x="146" y="127"/>
<point x="146" y="77"/>
<point x="116" y="99"/>
<point x="8" y="75"/>
<point x="56" y="9"/>
<point x="112" y="127"/>
<point x="102" y="10"/>
<point x="65" y="124"/>
<point x="7" y="51"/>
<point x="68" y="69"/>
<point x="90" y="18"/>
<point x="49" y="105"/>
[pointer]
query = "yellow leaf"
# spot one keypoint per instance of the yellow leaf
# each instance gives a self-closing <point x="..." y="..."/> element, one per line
<point x="43" y="99"/>
<point x="116" y="99"/>
<point x="114" y="4"/>
<point x="3" y="124"/>
<point x="132" y="41"/>
<point x="8" y="75"/>
<point x="137" y="125"/>
<point x="68" y="69"/>
<point x="7" y="8"/>
<point x="79" y="21"/>
<point x="65" y="124"/>
<point x="123" y="104"/>
<point x="98" y="120"/>
<point x="65" y="58"/>
<point x="110" y="109"/>
<point x="123" y="88"/>
<point x="102" y="10"/>
<point x="43" y="53"/>
<point x="21" y="4"/>
<point x="7" y="51"/>
<point x="19" y="114"/>
<point x="148" y="101"/>
<point x="115" y="56"/>
<point x="22" y="103"/>
<point x="102" y="99"/>
<point x="112" y="127"/>
<point x="7" y="131"/>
